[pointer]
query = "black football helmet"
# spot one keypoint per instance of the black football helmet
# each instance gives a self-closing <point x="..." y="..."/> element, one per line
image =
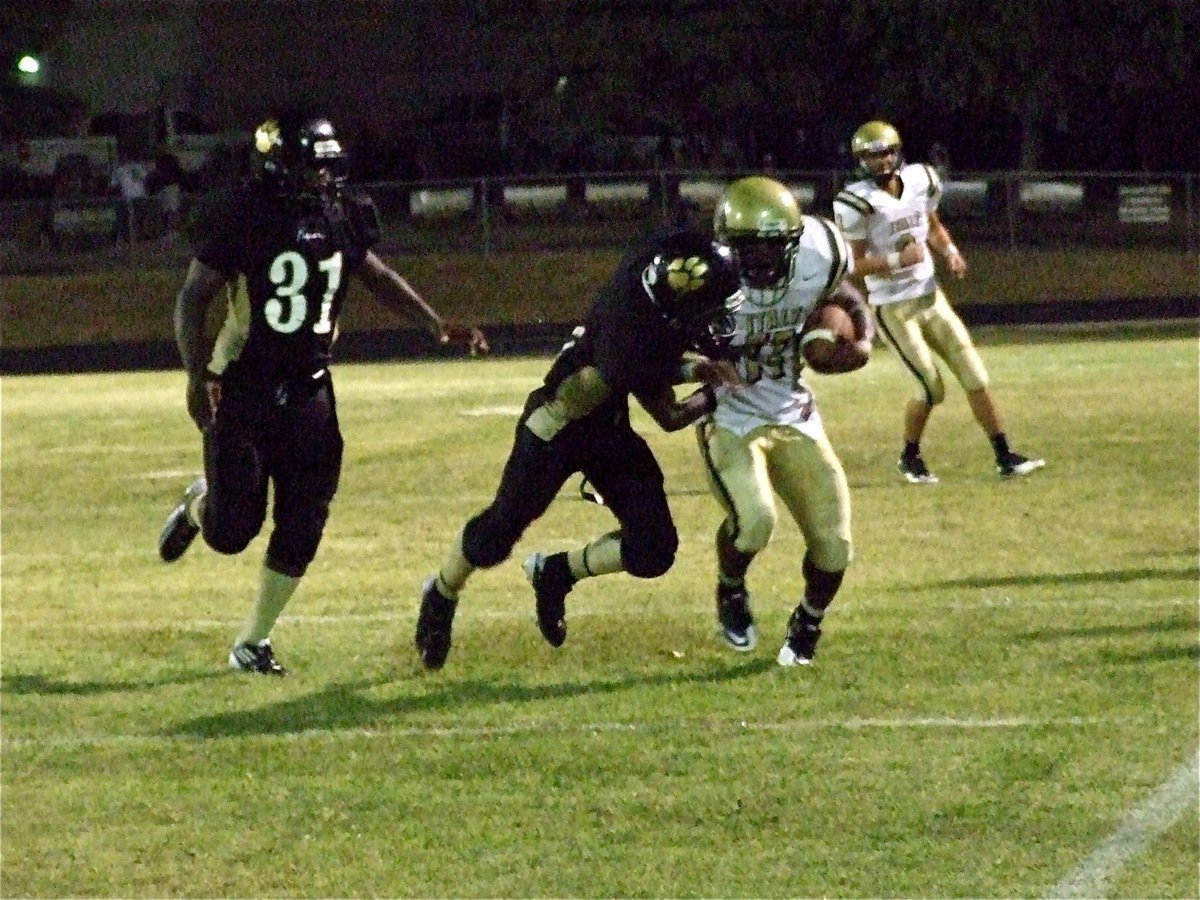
<point x="694" y="282"/>
<point x="300" y="155"/>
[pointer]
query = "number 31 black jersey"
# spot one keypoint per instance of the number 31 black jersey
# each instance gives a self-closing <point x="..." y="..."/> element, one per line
<point x="288" y="266"/>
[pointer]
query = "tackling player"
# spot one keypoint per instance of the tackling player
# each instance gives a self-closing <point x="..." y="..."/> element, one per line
<point x="279" y="248"/>
<point x="768" y="438"/>
<point x="894" y="206"/>
<point x="639" y="338"/>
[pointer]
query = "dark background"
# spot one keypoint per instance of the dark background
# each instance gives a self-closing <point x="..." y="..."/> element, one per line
<point x="479" y="87"/>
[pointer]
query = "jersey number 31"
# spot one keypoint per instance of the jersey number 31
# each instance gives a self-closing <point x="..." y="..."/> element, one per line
<point x="288" y="309"/>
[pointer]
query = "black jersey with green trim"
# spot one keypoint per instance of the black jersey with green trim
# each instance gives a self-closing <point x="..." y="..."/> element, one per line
<point x="288" y="264"/>
<point x="632" y="344"/>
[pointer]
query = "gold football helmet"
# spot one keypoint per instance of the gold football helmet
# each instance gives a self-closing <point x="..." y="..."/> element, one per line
<point x="876" y="146"/>
<point x="760" y="220"/>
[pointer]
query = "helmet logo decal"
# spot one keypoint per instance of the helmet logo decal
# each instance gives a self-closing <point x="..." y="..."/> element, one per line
<point x="685" y="275"/>
<point x="267" y="136"/>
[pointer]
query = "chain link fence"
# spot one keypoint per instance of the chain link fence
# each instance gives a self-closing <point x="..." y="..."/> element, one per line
<point x="497" y="215"/>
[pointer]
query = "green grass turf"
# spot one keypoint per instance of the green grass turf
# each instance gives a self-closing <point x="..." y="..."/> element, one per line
<point x="1008" y="675"/>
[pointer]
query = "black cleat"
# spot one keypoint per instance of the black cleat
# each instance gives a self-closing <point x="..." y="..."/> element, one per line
<point x="804" y="631"/>
<point x="552" y="581"/>
<point x="733" y="614"/>
<point x="178" y="533"/>
<point x="1012" y="464"/>
<point x="256" y="658"/>
<point x="914" y="470"/>
<point x="434" y="623"/>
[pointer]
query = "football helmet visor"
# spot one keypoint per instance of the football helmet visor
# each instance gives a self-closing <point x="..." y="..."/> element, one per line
<point x="876" y="146"/>
<point x="301" y="156"/>
<point x="694" y="283"/>
<point x="760" y="220"/>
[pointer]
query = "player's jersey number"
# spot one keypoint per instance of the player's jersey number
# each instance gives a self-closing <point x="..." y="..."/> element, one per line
<point x="773" y="355"/>
<point x="287" y="310"/>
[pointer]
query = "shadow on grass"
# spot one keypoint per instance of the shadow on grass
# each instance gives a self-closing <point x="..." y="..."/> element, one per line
<point x="1118" y="576"/>
<point x="1174" y="623"/>
<point x="343" y="706"/>
<point x="42" y="684"/>
<point x="1160" y="653"/>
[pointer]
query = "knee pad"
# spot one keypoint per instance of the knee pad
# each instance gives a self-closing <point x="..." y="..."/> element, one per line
<point x="488" y="539"/>
<point x="292" y="548"/>
<point x="831" y="554"/>
<point x="229" y="541"/>
<point x="932" y="391"/>
<point x="649" y="556"/>
<point x="754" y="531"/>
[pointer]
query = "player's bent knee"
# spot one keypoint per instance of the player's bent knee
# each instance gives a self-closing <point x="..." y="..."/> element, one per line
<point x="754" y="532"/>
<point x="488" y="539"/>
<point x="649" y="559"/>
<point x="228" y="541"/>
<point x="833" y="555"/>
<point x="290" y="568"/>
<point x="290" y="551"/>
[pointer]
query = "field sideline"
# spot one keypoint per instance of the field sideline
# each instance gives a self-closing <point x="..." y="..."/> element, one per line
<point x="1005" y="702"/>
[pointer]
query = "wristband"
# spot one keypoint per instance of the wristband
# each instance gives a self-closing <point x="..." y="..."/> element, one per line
<point x="950" y="250"/>
<point x="818" y="334"/>
<point x="893" y="260"/>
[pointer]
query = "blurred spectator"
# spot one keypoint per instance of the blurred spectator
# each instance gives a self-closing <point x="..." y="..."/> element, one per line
<point x="167" y="181"/>
<point x="129" y="180"/>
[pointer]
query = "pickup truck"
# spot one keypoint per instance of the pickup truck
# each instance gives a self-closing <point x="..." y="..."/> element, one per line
<point x="144" y="135"/>
<point x="41" y="157"/>
<point x="87" y="160"/>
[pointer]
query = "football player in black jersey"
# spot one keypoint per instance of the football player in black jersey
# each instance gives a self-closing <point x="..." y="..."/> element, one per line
<point x="643" y="334"/>
<point x="279" y="248"/>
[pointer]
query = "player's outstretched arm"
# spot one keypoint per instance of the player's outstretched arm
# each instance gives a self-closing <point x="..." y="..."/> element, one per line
<point x="671" y="414"/>
<point x="393" y="291"/>
<point x="200" y="287"/>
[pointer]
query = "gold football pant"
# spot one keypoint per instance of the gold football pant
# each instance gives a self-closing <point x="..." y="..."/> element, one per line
<point x="746" y="473"/>
<point x="923" y="327"/>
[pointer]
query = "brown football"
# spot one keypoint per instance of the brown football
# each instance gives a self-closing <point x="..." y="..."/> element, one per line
<point x="826" y="330"/>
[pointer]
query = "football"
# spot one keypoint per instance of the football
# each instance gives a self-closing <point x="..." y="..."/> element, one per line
<point x="826" y="331"/>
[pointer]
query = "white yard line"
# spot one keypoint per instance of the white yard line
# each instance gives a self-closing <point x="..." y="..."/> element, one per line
<point x="480" y="613"/>
<point x="1140" y="827"/>
<point x="553" y="727"/>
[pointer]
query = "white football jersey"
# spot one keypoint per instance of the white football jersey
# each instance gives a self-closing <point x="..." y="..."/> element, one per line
<point x="866" y="212"/>
<point x="767" y="337"/>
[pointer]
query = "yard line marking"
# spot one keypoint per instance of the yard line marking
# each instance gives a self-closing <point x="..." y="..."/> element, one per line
<point x="1138" y="829"/>
<point x="551" y="728"/>
<point x="482" y="614"/>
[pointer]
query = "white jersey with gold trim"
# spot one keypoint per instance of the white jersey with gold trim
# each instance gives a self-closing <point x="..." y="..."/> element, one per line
<point x="767" y="337"/>
<point x="866" y="212"/>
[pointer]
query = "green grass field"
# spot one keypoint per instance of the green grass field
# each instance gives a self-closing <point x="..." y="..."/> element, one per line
<point x="1004" y="705"/>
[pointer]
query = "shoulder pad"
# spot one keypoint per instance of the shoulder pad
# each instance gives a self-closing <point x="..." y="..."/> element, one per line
<point x="855" y="201"/>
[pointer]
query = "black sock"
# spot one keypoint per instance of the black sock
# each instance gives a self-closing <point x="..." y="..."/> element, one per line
<point x="558" y="571"/>
<point x="912" y="450"/>
<point x="1000" y="445"/>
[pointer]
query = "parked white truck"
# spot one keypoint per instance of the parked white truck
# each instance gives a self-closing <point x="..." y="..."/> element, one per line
<point x="86" y="161"/>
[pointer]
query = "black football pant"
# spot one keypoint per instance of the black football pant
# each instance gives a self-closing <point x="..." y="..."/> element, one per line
<point x="298" y="448"/>
<point x="618" y="463"/>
